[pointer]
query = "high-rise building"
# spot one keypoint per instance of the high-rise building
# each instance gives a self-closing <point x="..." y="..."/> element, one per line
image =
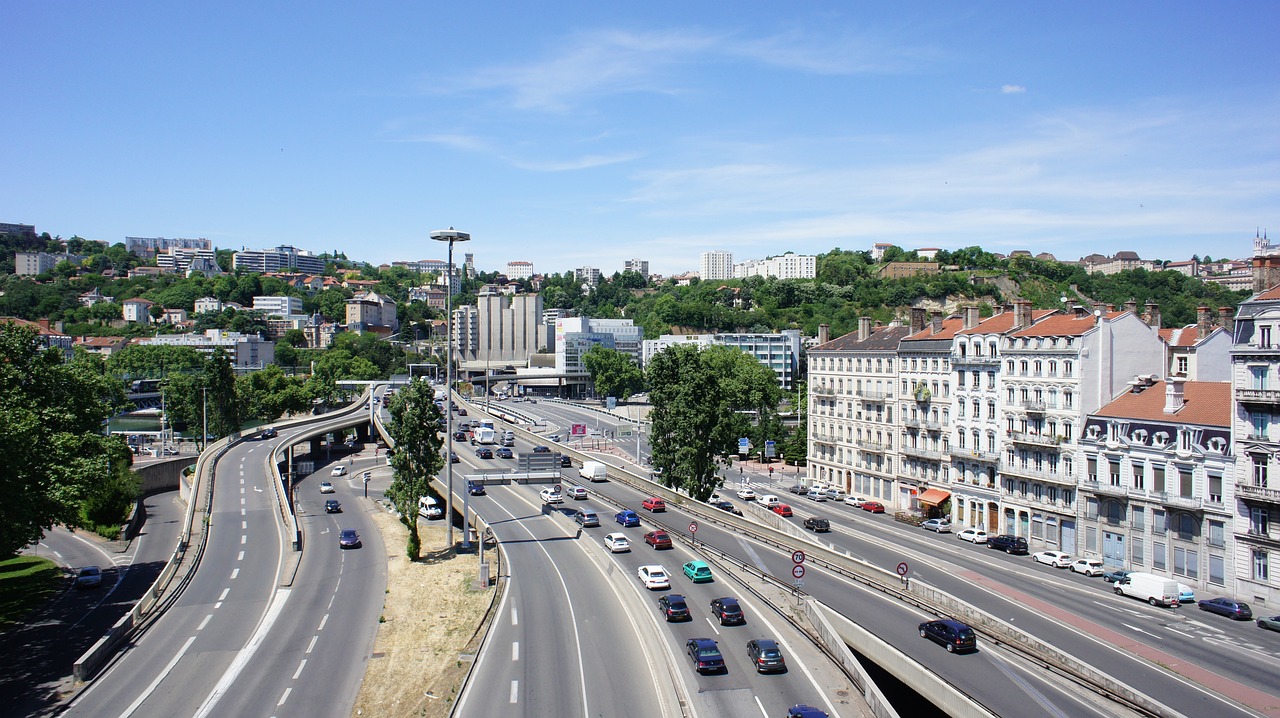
<point x="281" y="258"/>
<point x="787" y="266"/>
<point x="500" y="329"/>
<point x="151" y="246"/>
<point x="715" y="265"/>
<point x="180" y="260"/>
<point x="587" y="275"/>
<point x="639" y="266"/>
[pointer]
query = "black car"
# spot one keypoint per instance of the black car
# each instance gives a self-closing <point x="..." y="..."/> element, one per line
<point x="348" y="539"/>
<point x="484" y="452"/>
<point x="953" y="634"/>
<point x="565" y="461"/>
<point x="462" y="412"/>
<point x="727" y="506"/>
<point x="268" y="433"/>
<point x="1008" y="544"/>
<point x="674" y="608"/>
<point x="453" y="458"/>
<point x="705" y="654"/>
<point x="542" y="449"/>
<point x="475" y="488"/>
<point x="817" y="524"/>
<point x="459" y="436"/>
<point x="332" y="507"/>
<point x="766" y="656"/>
<point x="728" y="611"/>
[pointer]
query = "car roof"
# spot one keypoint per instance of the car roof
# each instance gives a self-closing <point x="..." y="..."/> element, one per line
<point x="952" y="623"/>
<point x="673" y="597"/>
<point x="697" y="564"/>
<point x="651" y="567"/>
<point x="727" y="599"/>
<point x="766" y="643"/>
<point x="703" y="642"/>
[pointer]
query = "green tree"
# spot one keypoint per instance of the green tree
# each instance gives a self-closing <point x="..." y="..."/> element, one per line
<point x="613" y="373"/>
<point x="52" y="451"/>
<point x="269" y="394"/>
<point x="415" y="424"/>
<point x="687" y="399"/>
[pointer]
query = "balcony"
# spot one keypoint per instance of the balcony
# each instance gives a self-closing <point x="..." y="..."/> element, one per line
<point x="1021" y="437"/>
<point x="975" y="360"/>
<point x="1257" y="493"/>
<point x="872" y="446"/>
<point x="922" y="424"/>
<point x="1008" y="468"/>
<point x="1193" y="503"/>
<point x="822" y="438"/>
<point x="920" y="453"/>
<point x="822" y="390"/>
<point x="1033" y="407"/>
<point x="1097" y="487"/>
<point x="1258" y="396"/>
<point x="963" y="454"/>
<point x="871" y="395"/>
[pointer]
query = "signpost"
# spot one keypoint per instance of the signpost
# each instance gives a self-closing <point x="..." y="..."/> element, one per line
<point x="797" y="557"/>
<point x="798" y="571"/>
<point x="903" y="570"/>
<point x="770" y="449"/>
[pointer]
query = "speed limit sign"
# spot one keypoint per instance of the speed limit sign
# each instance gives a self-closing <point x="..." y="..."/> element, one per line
<point x="797" y="557"/>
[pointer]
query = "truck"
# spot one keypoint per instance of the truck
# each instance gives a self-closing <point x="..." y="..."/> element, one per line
<point x="1156" y="590"/>
<point x="485" y="435"/>
<point x="594" y="471"/>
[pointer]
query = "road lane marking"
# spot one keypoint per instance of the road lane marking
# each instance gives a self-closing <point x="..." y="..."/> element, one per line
<point x="244" y="538"/>
<point x="514" y="620"/>
<point x="204" y="623"/>
<point x="242" y="510"/>
<point x="246" y="654"/>
<point x="312" y="645"/>
<point x="244" y="525"/>
<point x="515" y="690"/>
<point x="223" y="597"/>
<point x="1139" y="630"/>
<point x="240" y="557"/>
<point x="760" y="705"/>
<point x="515" y="650"/>
<point x="285" y="697"/>
<point x="146" y="693"/>
<point x="323" y="621"/>
<point x="234" y="572"/>
<point x="298" y="672"/>
<point x="713" y="626"/>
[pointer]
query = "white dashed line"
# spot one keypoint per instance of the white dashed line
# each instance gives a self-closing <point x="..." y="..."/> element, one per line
<point x="204" y="623"/>
<point x="244" y="525"/>
<point x="515" y="691"/>
<point x="763" y="712"/>
<point x="713" y="626"/>
<point x="515" y="650"/>
<point x="323" y="621"/>
<point x="223" y="597"/>
<point x="234" y="572"/>
<point x="151" y="688"/>
<point x="243" y="539"/>
<point x="300" y="667"/>
<point x="313" y="643"/>
<point x="285" y="697"/>
<point x="514" y="620"/>
<point x="240" y="557"/>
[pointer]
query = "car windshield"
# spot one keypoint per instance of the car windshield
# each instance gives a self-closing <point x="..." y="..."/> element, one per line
<point x="770" y="653"/>
<point x="708" y="653"/>
<point x="657" y="574"/>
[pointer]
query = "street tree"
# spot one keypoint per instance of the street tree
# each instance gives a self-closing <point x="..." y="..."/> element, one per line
<point x="613" y="373"/>
<point x="415" y="430"/>
<point x="687" y="431"/>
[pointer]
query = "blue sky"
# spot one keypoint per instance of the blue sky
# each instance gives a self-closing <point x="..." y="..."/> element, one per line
<point x="574" y="133"/>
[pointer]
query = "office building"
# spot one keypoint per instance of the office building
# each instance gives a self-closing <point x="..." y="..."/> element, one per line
<point x="152" y="246"/>
<point x="779" y="352"/>
<point x="282" y="258"/>
<point x="278" y="306"/>
<point x="247" y="351"/>
<point x="787" y="266"/>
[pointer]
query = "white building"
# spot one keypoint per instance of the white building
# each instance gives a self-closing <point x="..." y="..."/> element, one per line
<point x="519" y="270"/>
<point x="247" y="351"/>
<point x="278" y="306"/>
<point x="787" y="266"/>
<point x="136" y="310"/>
<point x="779" y="352"/>
<point x="152" y="246"/>
<point x="183" y="261"/>
<point x="587" y="275"/>
<point x="924" y="411"/>
<point x="715" y="265"/>
<point x="639" y="266"/>
<point x="574" y="336"/>
<point x="500" y="329"/>
<point x="282" y="258"/>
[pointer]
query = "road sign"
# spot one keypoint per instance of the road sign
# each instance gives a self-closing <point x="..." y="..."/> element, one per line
<point x="744" y="445"/>
<point x="693" y="527"/>
<point x="797" y="557"/>
<point x="902" y="568"/>
<point x="770" y="449"/>
<point x="578" y="430"/>
<point x="557" y="488"/>
<point x="797" y="571"/>
<point x="799" y="582"/>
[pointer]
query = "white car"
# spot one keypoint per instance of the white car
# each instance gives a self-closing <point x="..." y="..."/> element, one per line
<point x="973" y="536"/>
<point x="551" y="496"/>
<point x="617" y="543"/>
<point x="1057" y="559"/>
<point x="856" y="501"/>
<point x="1088" y="566"/>
<point x="816" y="495"/>
<point x="836" y="494"/>
<point x="941" y="526"/>
<point x="653" y="577"/>
<point x="746" y="494"/>
<point x="338" y="471"/>
<point x="576" y="493"/>
<point x="326" y="487"/>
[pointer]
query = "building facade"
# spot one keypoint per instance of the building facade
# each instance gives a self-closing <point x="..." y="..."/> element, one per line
<point x="715" y="265"/>
<point x="519" y="270"/>
<point x="282" y="258"/>
<point x="278" y="306"/>
<point x="787" y="266"/>
<point x="247" y="351"/>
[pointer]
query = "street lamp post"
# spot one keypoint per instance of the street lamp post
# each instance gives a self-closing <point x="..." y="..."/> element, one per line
<point x="450" y="235"/>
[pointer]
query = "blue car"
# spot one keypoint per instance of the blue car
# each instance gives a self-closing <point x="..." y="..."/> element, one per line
<point x="627" y="518"/>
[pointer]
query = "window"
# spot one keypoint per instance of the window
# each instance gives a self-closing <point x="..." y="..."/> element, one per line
<point x="1259" y="520"/>
<point x="1115" y="473"/>
<point x="1068" y="400"/>
<point x="1186" y="485"/>
<point x="1259" y="470"/>
<point x="1158" y="555"/>
<point x="991" y="410"/>
<point x="1158" y="521"/>
<point x="1215" y="488"/>
<point x="1158" y="483"/>
<point x="1217" y="570"/>
<point x="1137" y="555"/>
<point x="1217" y="533"/>
<point x="1259" y="565"/>
<point x="1258" y="422"/>
<point x="1139" y="518"/>
<point x="1186" y="527"/>
<point x="1186" y="562"/>
<point x="1093" y="470"/>
<point x="1264" y="337"/>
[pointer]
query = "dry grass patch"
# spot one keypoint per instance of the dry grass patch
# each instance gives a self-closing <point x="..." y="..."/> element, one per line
<point x="432" y="616"/>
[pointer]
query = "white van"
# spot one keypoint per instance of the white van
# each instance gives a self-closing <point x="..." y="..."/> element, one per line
<point x="430" y="508"/>
<point x="594" y="471"/>
<point x="768" y="501"/>
<point x="1156" y="590"/>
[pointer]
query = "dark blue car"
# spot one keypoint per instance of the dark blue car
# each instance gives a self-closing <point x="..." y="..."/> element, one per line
<point x="627" y="518"/>
<point x="1230" y="608"/>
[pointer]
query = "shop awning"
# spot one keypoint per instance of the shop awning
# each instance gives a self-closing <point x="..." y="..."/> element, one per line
<point x="934" y="496"/>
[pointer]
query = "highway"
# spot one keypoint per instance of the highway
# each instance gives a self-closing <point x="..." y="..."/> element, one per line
<point x="1054" y="604"/>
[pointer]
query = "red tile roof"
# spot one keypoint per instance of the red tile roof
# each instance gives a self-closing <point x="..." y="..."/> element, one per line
<point x="949" y="328"/>
<point x="1003" y="322"/>
<point x="1065" y="325"/>
<point x="1187" y="336"/>
<point x="1272" y="293"/>
<point x="1205" y="403"/>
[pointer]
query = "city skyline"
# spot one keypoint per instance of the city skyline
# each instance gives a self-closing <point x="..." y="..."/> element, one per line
<point x="583" y="135"/>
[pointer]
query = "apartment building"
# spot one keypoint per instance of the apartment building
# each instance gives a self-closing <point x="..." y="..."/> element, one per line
<point x="1056" y="371"/>
<point x="519" y="270"/>
<point x="369" y="312"/>
<point x="1255" y="427"/>
<point x="151" y="246"/>
<point x="853" y="380"/>
<point x="587" y="275"/>
<point x="780" y="352"/>
<point x="187" y="261"/>
<point x="278" y="306"/>
<point x="283" y="257"/>
<point x="924" y="411"/>
<point x="1200" y="351"/>
<point x="1157" y="489"/>
<point x="247" y="351"/>
<point x="639" y="266"/>
<point x="715" y="265"/>
<point x="786" y="266"/>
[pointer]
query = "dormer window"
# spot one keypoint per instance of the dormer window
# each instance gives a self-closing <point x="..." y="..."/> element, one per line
<point x="1184" y="441"/>
<point x="1161" y="439"/>
<point x="1093" y="431"/>
<point x="1140" y="436"/>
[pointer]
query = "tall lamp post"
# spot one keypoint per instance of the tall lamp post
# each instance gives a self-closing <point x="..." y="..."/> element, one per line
<point x="449" y="235"/>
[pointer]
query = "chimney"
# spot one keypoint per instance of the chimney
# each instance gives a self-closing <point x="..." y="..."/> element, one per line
<point x="1204" y="322"/>
<point x="1131" y="307"/>
<point x="1153" y="315"/>
<point x="1002" y="308"/>
<point x="1227" y="319"/>
<point x="864" y="328"/>
<point x="824" y="333"/>
<point x="935" y="322"/>
<point x="1111" y="308"/>
<point x="1021" y="314"/>
<point x="971" y="317"/>
<point x="1173" y="396"/>
<point x="917" y="320"/>
<point x="1079" y="311"/>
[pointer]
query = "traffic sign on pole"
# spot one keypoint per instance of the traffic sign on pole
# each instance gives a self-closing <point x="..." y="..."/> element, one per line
<point x="797" y="571"/>
<point x="797" y="556"/>
<point x="902" y="568"/>
<point x="693" y="527"/>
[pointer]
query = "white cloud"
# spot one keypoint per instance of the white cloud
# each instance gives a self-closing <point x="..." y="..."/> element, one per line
<point x="1013" y="89"/>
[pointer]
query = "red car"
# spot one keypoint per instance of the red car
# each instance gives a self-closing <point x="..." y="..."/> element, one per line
<point x="781" y="509"/>
<point x="654" y="504"/>
<point x="658" y="539"/>
<point x="874" y="507"/>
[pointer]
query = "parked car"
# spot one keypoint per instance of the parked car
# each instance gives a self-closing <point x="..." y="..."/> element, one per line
<point x="674" y="608"/>
<point x="654" y="504"/>
<point x="816" y="495"/>
<point x="1113" y="576"/>
<point x="658" y="539"/>
<point x="705" y="654"/>
<point x="1271" y="624"/>
<point x="954" y="635"/>
<point x="627" y="518"/>
<point x="973" y="536"/>
<point x="551" y="496"/>
<point x="654" y="577"/>
<point x="854" y="501"/>
<point x="817" y="524"/>
<point x="1009" y="544"/>
<point x="338" y="471"/>
<point x="484" y="452"/>
<point x="798" y="489"/>
<point x="747" y="494"/>
<point x="577" y="493"/>
<point x="1057" y="559"/>
<point x="586" y="518"/>
<point x="1186" y="594"/>
<point x="504" y="453"/>
<point x="728" y="611"/>
<point x="332" y="507"/>
<point x="836" y="494"/>
<point x="1088" y="566"/>
<point x="698" y="572"/>
<point x="782" y="510"/>
<point x="617" y="543"/>
<point x="874" y="507"/>
<point x="766" y="656"/>
<point x="349" y="538"/>
<point x="1231" y="608"/>
<point x="91" y="577"/>
<point x="941" y="526"/>
<point x="326" y="487"/>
